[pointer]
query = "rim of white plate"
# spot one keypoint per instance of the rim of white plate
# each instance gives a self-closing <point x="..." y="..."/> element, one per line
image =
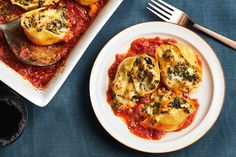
<point x="152" y="146"/>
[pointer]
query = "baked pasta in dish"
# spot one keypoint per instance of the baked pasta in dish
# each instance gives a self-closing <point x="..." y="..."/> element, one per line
<point x="48" y="33"/>
<point x="149" y="86"/>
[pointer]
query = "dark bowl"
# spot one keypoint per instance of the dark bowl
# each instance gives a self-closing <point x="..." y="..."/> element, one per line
<point x="11" y="98"/>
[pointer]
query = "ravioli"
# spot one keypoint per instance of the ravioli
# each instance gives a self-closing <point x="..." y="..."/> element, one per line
<point x="135" y="77"/>
<point x="32" y="4"/>
<point x="46" y="26"/>
<point x="180" y="68"/>
<point x="167" y="111"/>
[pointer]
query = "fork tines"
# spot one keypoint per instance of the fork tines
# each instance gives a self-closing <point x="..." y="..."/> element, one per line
<point x="161" y="9"/>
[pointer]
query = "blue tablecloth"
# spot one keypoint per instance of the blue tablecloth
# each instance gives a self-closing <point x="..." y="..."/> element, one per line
<point x="67" y="127"/>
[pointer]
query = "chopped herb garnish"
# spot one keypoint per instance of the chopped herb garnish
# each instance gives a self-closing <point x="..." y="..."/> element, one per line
<point x="113" y="96"/>
<point x="116" y="106"/>
<point x="156" y="107"/>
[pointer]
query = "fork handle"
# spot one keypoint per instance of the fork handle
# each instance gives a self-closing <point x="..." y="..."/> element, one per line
<point x="217" y="36"/>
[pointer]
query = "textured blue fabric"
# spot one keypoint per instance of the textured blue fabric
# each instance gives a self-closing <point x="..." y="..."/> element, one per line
<point x="67" y="127"/>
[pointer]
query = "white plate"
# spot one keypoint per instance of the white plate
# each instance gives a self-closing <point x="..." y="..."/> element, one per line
<point x="42" y="97"/>
<point x="210" y="94"/>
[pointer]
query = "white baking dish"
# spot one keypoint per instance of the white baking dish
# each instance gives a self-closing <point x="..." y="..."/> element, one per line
<point x="43" y="97"/>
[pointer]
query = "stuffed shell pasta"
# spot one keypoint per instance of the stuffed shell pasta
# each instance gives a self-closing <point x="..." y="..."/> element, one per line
<point x="180" y="68"/>
<point x="135" y="77"/>
<point x="168" y="111"/>
<point x="46" y="26"/>
<point x="149" y="86"/>
<point x="33" y="4"/>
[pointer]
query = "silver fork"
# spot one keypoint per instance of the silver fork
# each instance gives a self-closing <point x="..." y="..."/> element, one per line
<point x="171" y="14"/>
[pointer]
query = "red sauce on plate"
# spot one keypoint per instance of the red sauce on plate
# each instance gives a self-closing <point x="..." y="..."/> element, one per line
<point x="39" y="77"/>
<point x="131" y="116"/>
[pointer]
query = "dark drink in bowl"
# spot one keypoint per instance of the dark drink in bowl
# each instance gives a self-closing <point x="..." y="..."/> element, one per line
<point x="13" y="116"/>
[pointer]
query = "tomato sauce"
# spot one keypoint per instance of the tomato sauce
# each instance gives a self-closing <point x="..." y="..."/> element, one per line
<point x="131" y="116"/>
<point x="39" y="77"/>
